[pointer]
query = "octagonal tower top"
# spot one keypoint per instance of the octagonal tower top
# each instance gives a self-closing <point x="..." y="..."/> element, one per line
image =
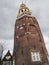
<point x="23" y="10"/>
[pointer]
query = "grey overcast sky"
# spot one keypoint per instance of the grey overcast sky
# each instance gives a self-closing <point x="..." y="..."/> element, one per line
<point x="8" y="13"/>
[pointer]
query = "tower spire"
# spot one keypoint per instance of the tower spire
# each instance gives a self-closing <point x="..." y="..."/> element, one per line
<point x="23" y="10"/>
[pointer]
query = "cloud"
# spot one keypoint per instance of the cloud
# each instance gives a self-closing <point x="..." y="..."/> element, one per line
<point x="5" y="46"/>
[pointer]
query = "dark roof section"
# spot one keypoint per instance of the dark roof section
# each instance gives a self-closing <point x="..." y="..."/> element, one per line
<point x="7" y="54"/>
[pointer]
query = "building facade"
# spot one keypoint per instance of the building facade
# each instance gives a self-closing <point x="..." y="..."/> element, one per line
<point x="29" y="46"/>
<point x="7" y="59"/>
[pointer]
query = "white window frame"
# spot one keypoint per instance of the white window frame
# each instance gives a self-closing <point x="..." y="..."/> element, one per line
<point x="35" y="56"/>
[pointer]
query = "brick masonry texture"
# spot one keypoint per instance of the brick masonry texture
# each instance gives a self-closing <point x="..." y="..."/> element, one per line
<point x="28" y="38"/>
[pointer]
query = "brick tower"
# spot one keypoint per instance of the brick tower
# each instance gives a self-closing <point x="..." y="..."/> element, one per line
<point x="29" y="46"/>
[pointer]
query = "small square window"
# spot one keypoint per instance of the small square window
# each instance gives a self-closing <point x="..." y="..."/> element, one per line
<point x="35" y="56"/>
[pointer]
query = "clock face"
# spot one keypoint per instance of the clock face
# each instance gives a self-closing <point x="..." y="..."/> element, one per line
<point x="8" y="57"/>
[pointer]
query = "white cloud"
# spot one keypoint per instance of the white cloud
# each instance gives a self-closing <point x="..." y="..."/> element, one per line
<point x="7" y="44"/>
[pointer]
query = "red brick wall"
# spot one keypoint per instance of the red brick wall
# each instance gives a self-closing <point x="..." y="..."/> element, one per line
<point x="28" y="39"/>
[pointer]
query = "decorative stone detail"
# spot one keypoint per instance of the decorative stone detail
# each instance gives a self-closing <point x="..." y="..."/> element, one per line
<point x="21" y="27"/>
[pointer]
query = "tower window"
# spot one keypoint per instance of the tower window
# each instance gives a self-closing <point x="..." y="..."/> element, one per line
<point x="25" y="9"/>
<point x="22" y="10"/>
<point x="35" y="56"/>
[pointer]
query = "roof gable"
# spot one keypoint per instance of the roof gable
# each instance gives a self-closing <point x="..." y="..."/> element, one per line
<point x="8" y="54"/>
